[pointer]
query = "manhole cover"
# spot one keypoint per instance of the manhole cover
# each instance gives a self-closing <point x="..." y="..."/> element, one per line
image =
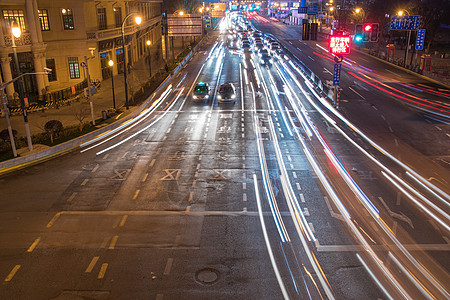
<point x="207" y="276"/>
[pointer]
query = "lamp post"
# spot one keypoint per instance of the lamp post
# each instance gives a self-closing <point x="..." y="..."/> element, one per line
<point x="111" y="64"/>
<point x="149" y="44"/>
<point x="138" y="21"/>
<point x="16" y="32"/>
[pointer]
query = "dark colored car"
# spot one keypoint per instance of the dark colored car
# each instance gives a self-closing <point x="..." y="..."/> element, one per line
<point x="226" y="93"/>
<point x="201" y="92"/>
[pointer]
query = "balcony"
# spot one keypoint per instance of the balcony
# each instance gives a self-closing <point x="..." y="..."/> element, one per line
<point x="106" y="34"/>
<point x="23" y="40"/>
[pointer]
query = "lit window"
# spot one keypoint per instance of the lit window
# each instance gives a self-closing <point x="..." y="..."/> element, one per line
<point x="74" y="69"/>
<point x="11" y="15"/>
<point x="43" y="19"/>
<point x="67" y="16"/>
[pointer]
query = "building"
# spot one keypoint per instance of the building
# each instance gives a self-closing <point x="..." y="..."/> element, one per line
<point x="61" y="34"/>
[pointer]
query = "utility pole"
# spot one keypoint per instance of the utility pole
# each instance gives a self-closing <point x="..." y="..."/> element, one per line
<point x="6" y="113"/>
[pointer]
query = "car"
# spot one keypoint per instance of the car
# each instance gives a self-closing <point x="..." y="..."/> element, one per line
<point x="263" y="52"/>
<point x="258" y="46"/>
<point x="201" y="92"/>
<point x="265" y="59"/>
<point x="226" y="93"/>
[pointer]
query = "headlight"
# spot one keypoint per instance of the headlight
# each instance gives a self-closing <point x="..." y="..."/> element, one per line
<point x="195" y="97"/>
<point x="233" y="96"/>
<point x="219" y="97"/>
<point x="207" y="97"/>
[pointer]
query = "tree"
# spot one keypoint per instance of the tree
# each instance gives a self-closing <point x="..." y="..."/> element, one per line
<point x="4" y="134"/>
<point x="80" y="114"/>
<point x="53" y="127"/>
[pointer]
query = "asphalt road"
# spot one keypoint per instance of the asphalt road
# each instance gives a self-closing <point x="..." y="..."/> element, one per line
<point x="201" y="201"/>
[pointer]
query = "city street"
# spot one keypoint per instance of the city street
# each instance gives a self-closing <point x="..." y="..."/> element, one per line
<point x="278" y="195"/>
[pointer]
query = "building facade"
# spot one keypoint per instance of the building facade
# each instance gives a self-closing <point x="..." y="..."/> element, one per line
<point x="63" y="34"/>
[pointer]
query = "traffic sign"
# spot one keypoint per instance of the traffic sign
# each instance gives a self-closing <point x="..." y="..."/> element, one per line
<point x="405" y="22"/>
<point x="83" y="64"/>
<point x="420" y="39"/>
<point x="339" y="44"/>
<point x="337" y="74"/>
<point x="313" y="9"/>
<point x="302" y="10"/>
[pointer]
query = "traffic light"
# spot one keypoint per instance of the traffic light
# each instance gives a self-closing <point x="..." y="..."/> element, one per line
<point x="374" y="33"/>
<point x="367" y="30"/>
<point x="359" y="33"/>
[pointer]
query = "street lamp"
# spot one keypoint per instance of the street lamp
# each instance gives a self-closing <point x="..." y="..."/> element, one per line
<point x="138" y="21"/>
<point x="111" y="64"/>
<point x="16" y="32"/>
<point x="149" y="43"/>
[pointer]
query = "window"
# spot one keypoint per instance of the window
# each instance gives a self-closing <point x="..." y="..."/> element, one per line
<point x="118" y="16"/>
<point x="67" y="17"/>
<point x="51" y="65"/>
<point x="43" y="19"/>
<point x="101" y="18"/>
<point x="14" y="14"/>
<point x="74" y="69"/>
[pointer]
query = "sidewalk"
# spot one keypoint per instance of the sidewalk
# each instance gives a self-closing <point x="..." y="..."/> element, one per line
<point x="77" y="111"/>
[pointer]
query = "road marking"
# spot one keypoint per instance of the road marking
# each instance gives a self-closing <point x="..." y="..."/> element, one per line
<point x="168" y="130"/>
<point x="243" y="157"/>
<point x="106" y="156"/>
<point x="125" y="154"/>
<point x="396" y="142"/>
<point x="122" y="222"/>
<point x="136" y="194"/>
<point x="289" y="158"/>
<point x="194" y="183"/>
<point x="152" y="163"/>
<point x="357" y="93"/>
<point x="102" y="272"/>
<point x="244" y="185"/>
<point x="145" y="177"/>
<point x="312" y="227"/>
<point x="244" y="209"/>
<point x="243" y="166"/>
<point x="113" y="242"/>
<point x="95" y="168"/>
<point x="200" y="157"/>
<point x="34" y="245"/>
<point x="302" y="198"/>
<point x="198" y="166"/>
<point x="391" y="72"/>
<point x="164" y="138"/>
<point x="390" y="129"/>
<point x="191" y="195"/>
<point x="92" y="264"/>
<point x="311" y="58"/>
<point x="168" y="266"/>
<point x="187" y="209"/>
<point x="12" y="273"/>
<point x="383" y="117"/>
<point x="171" y="174"/>
<point x="327" y="71"/>
<point x="243" y="135"/>
<point x="298" y="186"/>
<point x="299" y="49"/>
<point x="292" y="166"/>
<point x="294" y="174"/>
<point x="72" y="197"/>
<point x="158" y="151"/>
<point x="84" y="182"/>
<point x="120" y="174"/>
<point x="53" y="220"/>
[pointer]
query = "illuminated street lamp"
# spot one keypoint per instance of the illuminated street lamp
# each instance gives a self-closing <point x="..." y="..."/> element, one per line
<point x="111" y="64"/>
<point x="16" y="32"/>
<point x="401" y="13"/>
<point x="181" y="13"/>
<point x="138" y="21"/>
<point x="149" y="43"/>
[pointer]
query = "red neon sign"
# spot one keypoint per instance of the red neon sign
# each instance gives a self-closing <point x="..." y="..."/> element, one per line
<point x="339" y="44"/>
